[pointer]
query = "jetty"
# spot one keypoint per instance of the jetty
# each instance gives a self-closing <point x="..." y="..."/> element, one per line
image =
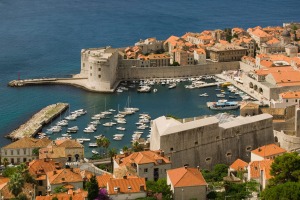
<point x="37" y="121"/>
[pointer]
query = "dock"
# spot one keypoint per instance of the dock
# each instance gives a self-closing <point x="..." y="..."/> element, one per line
<point x="38" y="121"/>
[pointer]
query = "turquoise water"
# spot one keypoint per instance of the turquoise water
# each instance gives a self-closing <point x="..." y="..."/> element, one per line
<point x="44" y="39"/>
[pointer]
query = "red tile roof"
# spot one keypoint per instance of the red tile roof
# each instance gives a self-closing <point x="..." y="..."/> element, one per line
<point x="239" y="165"/>
<point x="64" y="175"/>
<point x="74" y="195"/>
<point x="257" y="166"/>
<point x="290" y="95"/>
<point x="128" y="185"/>
<point x="183" y="177"/>
<point x="42" y="166"/>
<point x="268" y="150"/>
<point x="103" y="179"/>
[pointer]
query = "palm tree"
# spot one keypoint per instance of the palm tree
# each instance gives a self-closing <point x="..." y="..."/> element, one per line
<point x="106" y="143"/>
<point x="125" y="149"/>
<point x="136" y="147"/>
<point x="112" y="152"/>
<point x="16" y="183"/>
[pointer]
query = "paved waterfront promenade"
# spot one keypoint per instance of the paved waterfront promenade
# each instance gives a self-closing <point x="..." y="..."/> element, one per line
<point x="37" y="121"/>
<point x="252" y="93"/>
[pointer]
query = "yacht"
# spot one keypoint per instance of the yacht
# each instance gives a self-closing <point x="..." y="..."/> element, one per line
<point x="224" y="105"/>
<point x="71" y="117"/>
<point x="121" y="128"/>
<point x="62" y="123"/>
<point x="99" y="136"/>
<point x="119" y="116"/>
<point x="93" y="144"/>
<point x="79" y="112"/>
<point x="82" y="140"/>
<point x="220" y="95"/>
<point x="73" y="129"/>
<point x="144" y="89"/>
<point x="88" y="130"/>
<point x="121" y="121"/>
<point x="173" y="85"/>
<point x="109" y="124"/>
<point x="203" y="95"/>
<point x="95" y="122"/>
<point x="117" y="138"/>
<point x="95" y="152"/>
<point x="54" y="129"/>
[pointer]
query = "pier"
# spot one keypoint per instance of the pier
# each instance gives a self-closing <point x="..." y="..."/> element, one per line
<point x="37" y="121"/>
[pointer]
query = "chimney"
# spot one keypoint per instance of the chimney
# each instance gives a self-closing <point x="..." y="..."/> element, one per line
<point x="54" y="172"/>
<point x="198" y="167"/>
<point x="125" y="177"/>
<point x="142" y="188"/>
<point x="186" y="166"/>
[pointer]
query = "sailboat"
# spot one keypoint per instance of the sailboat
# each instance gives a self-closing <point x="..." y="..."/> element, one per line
<point x="105" y="112"/>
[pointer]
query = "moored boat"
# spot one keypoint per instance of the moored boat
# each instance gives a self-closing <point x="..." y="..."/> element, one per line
<point x="224" y="105"/>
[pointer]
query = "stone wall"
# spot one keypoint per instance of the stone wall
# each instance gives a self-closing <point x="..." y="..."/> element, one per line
<point x="288" y="142"/>
<point x="209" y="145"/>
<point x="131" y="73"/>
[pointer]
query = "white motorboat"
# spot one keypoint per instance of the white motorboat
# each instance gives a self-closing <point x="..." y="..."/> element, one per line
<point x="154" y="90"/>
<point x="73" y="129"/>
<point x="108" y="124"/>
<point x="203" y="95"/>
<point x="121" y="128"/>
<point x="66" y="135"/>
<point x="81" y="140"/>
<point x="119" y="116"/>
<point x="93" y="144"/>
<point x="95" y="152"/>
<point x="119" y="90"/>
<point x="112" y="110"/>
<point x="99" y="136"/>
<point x="79" y="112"/>
<point x="54" y="129"/>
<point x="173" y="85"/>
<point x="118" y="135"/>
<point x="144" y="89"/>
<point x="220" y="95"/>
<point x="117" y="138"/>
<point x="71" y="117"/>
<point x="88" y="130"/>
<point x="224" y="105"/>
<point x="106" y="112"/>
<point x="95" y="122"/>
<point x="121" y="121"/>
<point x="62" y="123"/>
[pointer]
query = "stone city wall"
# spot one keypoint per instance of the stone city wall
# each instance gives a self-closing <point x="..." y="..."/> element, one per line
<point x="132" y="73"/>
<point x="210" y="145"/>
<point x="288" y="142"/>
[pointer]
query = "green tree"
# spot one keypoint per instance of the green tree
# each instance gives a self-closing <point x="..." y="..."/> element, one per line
<point x="16" y="184"/>
<point x="5" y="162"/>
<point x="125" y="149"/>
<point x="285" y="168"/>
<point x="288" y="191"/>
<point x="9" y="171"/>
<point x="136" y="147"/>
<point x="92" y="188"/>
<point x="111" y="153"/>
<point x="35" y="151"/>
<point x="160" y="186"/>
<point x="54" y="198"/>
<point x="60" y="189"/>
<point x="219" y="171"/>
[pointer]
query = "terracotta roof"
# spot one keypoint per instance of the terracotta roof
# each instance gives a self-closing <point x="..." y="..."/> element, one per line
<point x="42" y="166"/>
<point x="64" y="175"/>
<point x="145" y="157"/>
<point x="273" y="41"/>
<point x="268" y="150"/>
<point x="184" y="177"/>
<point x="286" y="78"/>
<point x="52" y="152"/>
<point x="257" y="166"/>
<point x="200" y="51"/>
<point x="27" y="142"/>
<point x="128" y="185"/>
<point x="273" y="70"/>
<point x="290" y="95"/>
<point x="260" y="33"/>
<point x="172" y="40"/>
<point x="239" y="165"/>
<point x="126" y="170"/>
<point x="67" y="143"/>
<point x="75" y="195"/>
<point x="103" y="179"/>
<point x="3" y="182"/>
<point x="266" y="63"/>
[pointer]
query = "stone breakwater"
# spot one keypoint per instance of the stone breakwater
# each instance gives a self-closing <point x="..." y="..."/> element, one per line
<point x="37" y="121"/>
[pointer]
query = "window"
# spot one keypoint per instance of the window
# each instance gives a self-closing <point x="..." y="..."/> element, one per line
<point x="11" y="152"/>
<point x="24" y="151"/>
<point x="287" y="100"/>
<point x="208" y="159"/>
<point x="5" y="152"/>
<point x="228" y="154"/>
<point x="296" y="100"/>
<point x="218" y="137"/>
<point x="18" y="151"/>
<point x="248" y="148"/>
<point x="171" y="149"/>
<point x="24" y="159"/>
<point x="99" y="76"/>
<point x="40" y="183"/>
<point x="99" y="69"/>
<point x="196" y="143"/>
<point x="90" y="67"/>
<point x="145" y="170"/>
<point x="91" y="74"/>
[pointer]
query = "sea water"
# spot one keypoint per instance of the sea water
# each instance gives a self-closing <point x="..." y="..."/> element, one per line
<point x="44" y="39"/>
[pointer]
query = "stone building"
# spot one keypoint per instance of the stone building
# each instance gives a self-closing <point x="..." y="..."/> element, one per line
<point x="209" y="141"/>
<point x="226" y="52"/>
<point x="99" y="67"/>
<point x="22" y="150"/>
<point x="63" y="151"/>
<point x="187" y="183"/>
<point x="150" y="45"/>
<point x="151" y="165"/>
<point x="270" y="151"/>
